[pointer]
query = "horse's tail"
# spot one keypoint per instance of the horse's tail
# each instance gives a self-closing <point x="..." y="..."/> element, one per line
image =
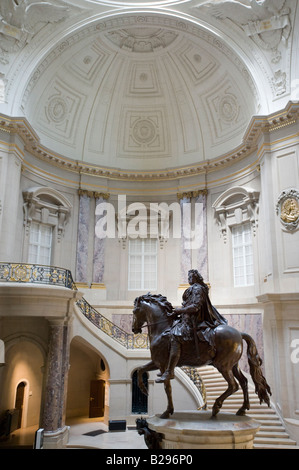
<point x="262" y="388"/>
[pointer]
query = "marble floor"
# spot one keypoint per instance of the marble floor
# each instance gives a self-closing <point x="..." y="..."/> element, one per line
<point x="79" y="427"/>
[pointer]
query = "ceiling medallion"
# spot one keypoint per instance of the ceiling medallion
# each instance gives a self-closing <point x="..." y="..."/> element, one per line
<point x="229" y="108"/>
<point x="144" y="131"/>
<point x="288" y="208"/>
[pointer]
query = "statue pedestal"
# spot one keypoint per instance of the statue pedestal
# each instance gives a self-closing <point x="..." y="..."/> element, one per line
<point x="197" y="430"/>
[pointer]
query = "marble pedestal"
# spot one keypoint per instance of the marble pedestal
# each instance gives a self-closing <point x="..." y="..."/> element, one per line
<point x="197" y="430"/>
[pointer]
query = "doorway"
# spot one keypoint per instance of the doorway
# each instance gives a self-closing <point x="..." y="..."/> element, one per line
<point x="139" y="400"/>
<point x="97" y="399"/>
<point x="19" y="402"/>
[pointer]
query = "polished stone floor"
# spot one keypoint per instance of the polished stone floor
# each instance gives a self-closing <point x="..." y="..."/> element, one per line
<point x="79" y="427"/>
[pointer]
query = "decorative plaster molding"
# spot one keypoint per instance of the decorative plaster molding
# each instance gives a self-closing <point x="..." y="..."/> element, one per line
<point x="256" y="19"/>
<point x="19" y="21"/>
<point x="141" y="40"/>
<point x="189" y="194"/>
<point x="235" y="206"/>
<point x="257" y="126"/>
<point x="48" y="206"/>
<point x="95" y="194"/>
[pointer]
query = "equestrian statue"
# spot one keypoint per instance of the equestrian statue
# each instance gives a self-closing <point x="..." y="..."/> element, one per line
<point x="195" y="335"/>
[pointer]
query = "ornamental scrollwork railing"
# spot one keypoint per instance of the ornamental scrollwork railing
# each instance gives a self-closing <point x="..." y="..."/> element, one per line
<point x="128" y="340"/>
<point x="34" y="273"/>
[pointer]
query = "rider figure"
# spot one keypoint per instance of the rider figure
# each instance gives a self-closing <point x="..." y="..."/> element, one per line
<point x="197" y="318"/>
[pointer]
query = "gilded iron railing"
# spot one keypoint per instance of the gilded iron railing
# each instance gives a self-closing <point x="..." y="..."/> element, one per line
<point x="34" y="273"/>
<point x="128" y="340"/>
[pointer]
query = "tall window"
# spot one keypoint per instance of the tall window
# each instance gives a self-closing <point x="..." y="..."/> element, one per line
<point x="242" y="255"/>
<point x="142" y="264"/>
<point x="40" y="243"/>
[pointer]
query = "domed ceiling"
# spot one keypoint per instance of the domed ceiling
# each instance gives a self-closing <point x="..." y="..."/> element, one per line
<point x="140" y="95"/>
<point x="138" y="85"/>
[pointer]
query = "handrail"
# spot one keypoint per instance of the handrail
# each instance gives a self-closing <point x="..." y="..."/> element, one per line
<point x="37" y="274"/>
<point x="128" y="340"/>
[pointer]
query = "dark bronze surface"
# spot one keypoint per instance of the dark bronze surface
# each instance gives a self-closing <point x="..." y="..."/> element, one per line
<point x="196" y="335"/>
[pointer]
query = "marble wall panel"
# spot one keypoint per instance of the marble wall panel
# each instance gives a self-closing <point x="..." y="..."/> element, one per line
<point x="252" y="325"/>
<point x="82" y="241"/>
<point x="98" y="253"/>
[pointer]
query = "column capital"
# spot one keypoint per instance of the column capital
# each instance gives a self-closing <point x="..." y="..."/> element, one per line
<point x="190" y="194"/>
<point x="93" y="194"/>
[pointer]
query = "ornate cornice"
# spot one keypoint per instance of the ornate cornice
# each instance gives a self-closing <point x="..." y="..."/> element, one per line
<point x="257" y="126"/>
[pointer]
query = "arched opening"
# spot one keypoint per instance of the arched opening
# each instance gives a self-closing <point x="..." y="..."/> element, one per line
<point x="22" y="382"/>
<point x="87" y="395"/>
<point x="139" y="400"/>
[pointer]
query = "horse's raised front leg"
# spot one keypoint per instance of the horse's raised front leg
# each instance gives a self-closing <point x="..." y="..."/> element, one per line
<point x="169" y="411"/>
<point x="146" y="368"/>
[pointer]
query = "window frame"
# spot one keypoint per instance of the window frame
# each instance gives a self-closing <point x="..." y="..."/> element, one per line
<point x="39" y="243"/>
<point x="143" y="254"/>
<point x="246" y="267"/>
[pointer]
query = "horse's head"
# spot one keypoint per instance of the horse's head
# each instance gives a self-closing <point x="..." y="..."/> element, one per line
<point x="139" y="317"/>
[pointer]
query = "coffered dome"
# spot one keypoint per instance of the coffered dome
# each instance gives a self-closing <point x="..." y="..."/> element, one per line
<point x="145" y="86"/>
<point x="140" y="93"/>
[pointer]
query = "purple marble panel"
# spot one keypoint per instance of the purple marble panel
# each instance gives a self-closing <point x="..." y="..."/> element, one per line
<point x="252" y="325"/>
<point x="123" y="321"/>
<point x="202" y="254"/>
<point x="185" y="240"/>
<point x="98" y="253"/>
<point x="82" y="241"/>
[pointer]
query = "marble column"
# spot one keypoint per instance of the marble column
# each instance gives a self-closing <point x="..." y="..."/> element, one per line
<point x="83" y="236"/>
<point x="55" y="378"/>
<point x="99" y="249"/>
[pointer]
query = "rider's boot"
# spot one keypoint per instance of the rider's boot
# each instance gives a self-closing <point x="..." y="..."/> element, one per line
<point x="175" y="352"/>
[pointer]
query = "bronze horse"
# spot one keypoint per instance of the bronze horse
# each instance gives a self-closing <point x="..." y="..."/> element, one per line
<point x="151" y="311"/>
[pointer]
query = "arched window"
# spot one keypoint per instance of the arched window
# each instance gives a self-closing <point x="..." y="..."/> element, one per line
<point x="139" y="400"/>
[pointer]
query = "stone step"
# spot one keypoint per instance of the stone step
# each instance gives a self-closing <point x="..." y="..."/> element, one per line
<point x="271" y="428"/>
<point x="266" y="418"/>
<point x="274" y="440"/>
<point x="237" y="400"/>
<point x="273" y="446"/>
<point x="273" y="434"/>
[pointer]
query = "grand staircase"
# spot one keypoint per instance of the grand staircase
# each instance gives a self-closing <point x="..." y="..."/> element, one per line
<point x="271" y="435"/>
